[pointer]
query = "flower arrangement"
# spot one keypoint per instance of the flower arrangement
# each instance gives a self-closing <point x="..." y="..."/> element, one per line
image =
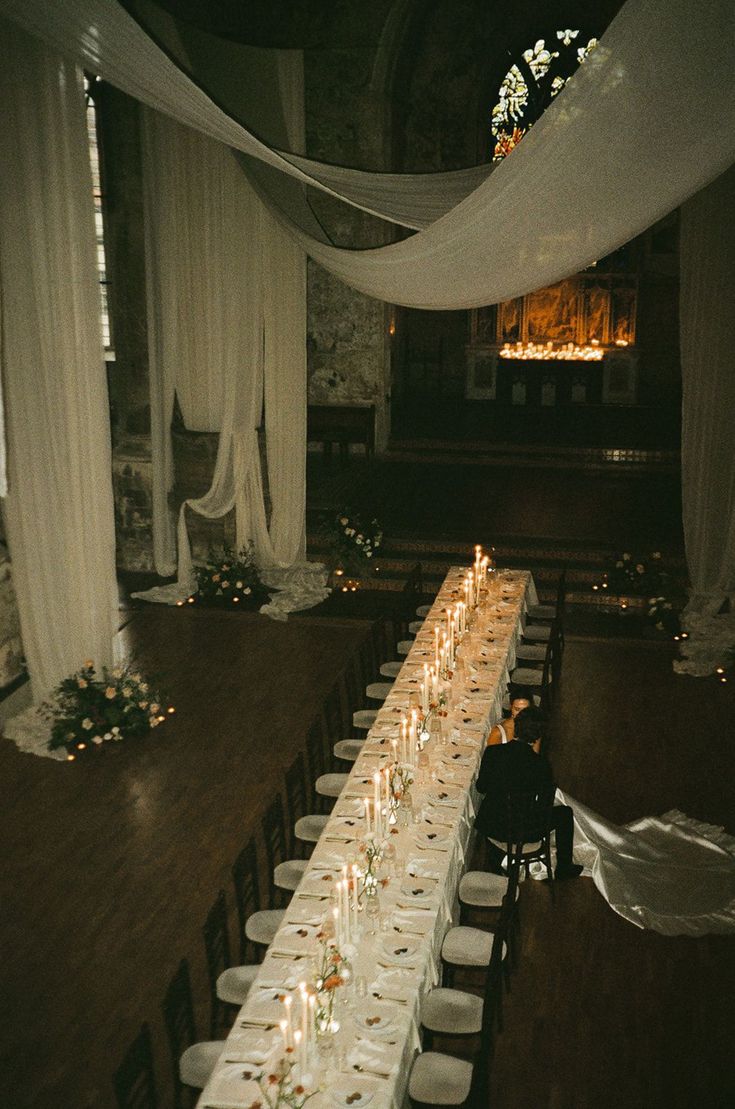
<point x="280" y="1088"/>
<point x="354" y="542"/>
<point x="639" y="575"/>
<point x="374" y="851"/>
<point x="332" y="971"/>
<point x="88" y="710"/>
<point x="230" y="579"/>
<point x="646" y="576"/>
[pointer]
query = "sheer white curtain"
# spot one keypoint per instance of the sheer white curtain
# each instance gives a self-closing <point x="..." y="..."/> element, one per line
<point x="707" y="311"/>
<point x="581" y="183"/>
<point x="59" y="508"/>
<point x="205" y="319"/>
<point x="227" y="314"/>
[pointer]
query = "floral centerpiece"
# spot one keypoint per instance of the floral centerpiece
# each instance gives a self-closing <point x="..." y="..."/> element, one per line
<point x="279" y="1087"/>
<point x="636" y="575"/>
<point x="633" y="575"/>
<point x="354" y="542"/>
<point x="88" y="709"/>
<point x="230" y="579"/>
<point x="332" y="971"/>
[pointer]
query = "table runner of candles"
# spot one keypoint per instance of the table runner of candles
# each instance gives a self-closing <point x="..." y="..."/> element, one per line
<point x="334" y="1013"/>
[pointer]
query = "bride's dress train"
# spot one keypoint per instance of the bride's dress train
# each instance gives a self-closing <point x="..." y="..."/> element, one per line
<point x="669" y="873"/>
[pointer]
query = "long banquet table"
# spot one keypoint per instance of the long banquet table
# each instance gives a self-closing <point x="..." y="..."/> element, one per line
<point x="397" y="960"/>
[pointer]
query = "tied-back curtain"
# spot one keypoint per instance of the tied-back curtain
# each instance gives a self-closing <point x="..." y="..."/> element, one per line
<point x="59" y="508"/>
<point x="707" y="311"/>
<point x="205" y="319"/>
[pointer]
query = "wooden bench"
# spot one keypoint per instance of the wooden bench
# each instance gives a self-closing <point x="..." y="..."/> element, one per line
<point x="342" y="424"/>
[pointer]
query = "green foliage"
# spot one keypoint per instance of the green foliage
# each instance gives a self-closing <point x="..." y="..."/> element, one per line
<point x="87" y="710"/>
<point x="230" y="579"/>
<point x="354" y="542"/>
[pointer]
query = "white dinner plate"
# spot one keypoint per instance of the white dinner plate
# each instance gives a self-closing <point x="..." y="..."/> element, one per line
<point x="375" y="1020"/>
<point x="351" y="1094"/>
<point x="400" y="950"/>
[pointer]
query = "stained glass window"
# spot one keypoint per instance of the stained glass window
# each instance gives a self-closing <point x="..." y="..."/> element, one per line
<point x="531" y="84"/>
<point x="94" y="161"/>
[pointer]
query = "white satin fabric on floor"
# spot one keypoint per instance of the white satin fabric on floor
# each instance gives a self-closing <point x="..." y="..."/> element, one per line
<point x="672" y="874"/>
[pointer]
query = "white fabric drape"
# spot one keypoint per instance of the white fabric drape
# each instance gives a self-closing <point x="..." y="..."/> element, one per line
<point x="227" y="312"/>
<point x="59" y="508"/>
<point x="613" y="153"/>
<point x="707" y="309"/>
<point x="672" y="874"/>
<point x="205" y="319"/>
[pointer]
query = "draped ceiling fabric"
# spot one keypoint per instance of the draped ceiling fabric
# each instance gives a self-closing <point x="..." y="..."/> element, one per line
<point x="614" y="152"/>
<point x="707" y="311"/>
<point x="59" y="508"/>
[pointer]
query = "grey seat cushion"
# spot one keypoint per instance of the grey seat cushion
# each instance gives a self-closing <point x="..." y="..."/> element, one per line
<point x="364" y="718"/>
<point x="198" y="1062"/>
<point x="233" y="984"/>
<point x="531" y="652"/>
<point x="452" y="1011"/>
<point x="378" y="691"/>
<point x="483" y="890"/>
<point x="423" y="611"/>
<point x="541" y="632"/>
<point x="348" y="749"/>
<point x="287" y="875"/>
<point x="331" y="785"/>
<point x="525" y="675"/>
<point x="404" y="646"/>
<point x="467" y="947"/>
<point x="309" y="828"/>
<point x="262" y="926"/>
<point x="438" y="1079"/>
<point x="391" y="669"/>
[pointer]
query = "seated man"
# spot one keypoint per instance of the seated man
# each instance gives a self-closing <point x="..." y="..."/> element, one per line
<point x="521" y="767"/>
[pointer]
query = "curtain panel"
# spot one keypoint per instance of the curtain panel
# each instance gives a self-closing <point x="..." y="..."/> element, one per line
<point x="707" y="311"/>
<point x="59" y="507"/>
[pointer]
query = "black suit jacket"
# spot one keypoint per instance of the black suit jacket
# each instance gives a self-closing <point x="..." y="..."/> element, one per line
<point x="504" y="768"/>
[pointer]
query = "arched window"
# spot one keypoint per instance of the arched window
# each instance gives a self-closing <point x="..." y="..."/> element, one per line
<point x="90" y="83"/>
<point x="531" y="84"/>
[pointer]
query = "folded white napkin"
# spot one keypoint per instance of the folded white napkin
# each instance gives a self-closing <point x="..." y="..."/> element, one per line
<point x="228" y="1088"/>
<point x="372" y="1056"/>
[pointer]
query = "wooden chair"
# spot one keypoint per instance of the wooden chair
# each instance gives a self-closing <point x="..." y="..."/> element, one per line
<point x="306" y="827"/>
<point x="543" y="617"/>
<point x="192" y="1063"/>
<point x="257" y="926"/>
<point x="541" y="680"/>
<point x="284" y="873"/>
<point x="134" y="1081"/>
<point x="529" y="830"/>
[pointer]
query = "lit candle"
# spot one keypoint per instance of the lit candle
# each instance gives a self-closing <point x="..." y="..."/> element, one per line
<point x="367" y="816"/>
<point x="281" y="1024"/>
<point x="304" y="1017"/>
<point x="335" y="917"/>
<point x="312" y="1024"/>
<point x="376" y="801"/>
<point x="425" y="690"/>
<point x="436" y="640"/>
<point x="355" y="905"/>
<point x="387" y="792"/>
<point x="394" y="745"/>
<point x="299" y="1050"/>
<point x="288" y="1002"/>
<point x="404" y="738"/>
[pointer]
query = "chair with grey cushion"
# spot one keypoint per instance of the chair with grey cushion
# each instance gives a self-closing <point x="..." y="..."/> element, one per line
<point x="306" y="826"/>
<point x="438" y="1079"/>
<point x="134" y="1081"/>
<point x="257" y="926"/>
<point x="529" y="817"/>
<point x="192" y="1062"/>
<point x="284" y="872"/>
<point x="541" y="679"/>
<point x="225" y="987"/>
<point x="540" y="614"/>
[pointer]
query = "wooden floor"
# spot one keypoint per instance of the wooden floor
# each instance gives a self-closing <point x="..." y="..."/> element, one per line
<point x="109" y="868"/>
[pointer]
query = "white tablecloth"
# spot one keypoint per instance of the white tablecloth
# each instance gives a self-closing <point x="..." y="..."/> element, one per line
<point x="402" y="960"/>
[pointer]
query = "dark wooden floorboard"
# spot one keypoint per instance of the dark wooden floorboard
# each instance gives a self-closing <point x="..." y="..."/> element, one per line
<point x="110" y="866"/>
